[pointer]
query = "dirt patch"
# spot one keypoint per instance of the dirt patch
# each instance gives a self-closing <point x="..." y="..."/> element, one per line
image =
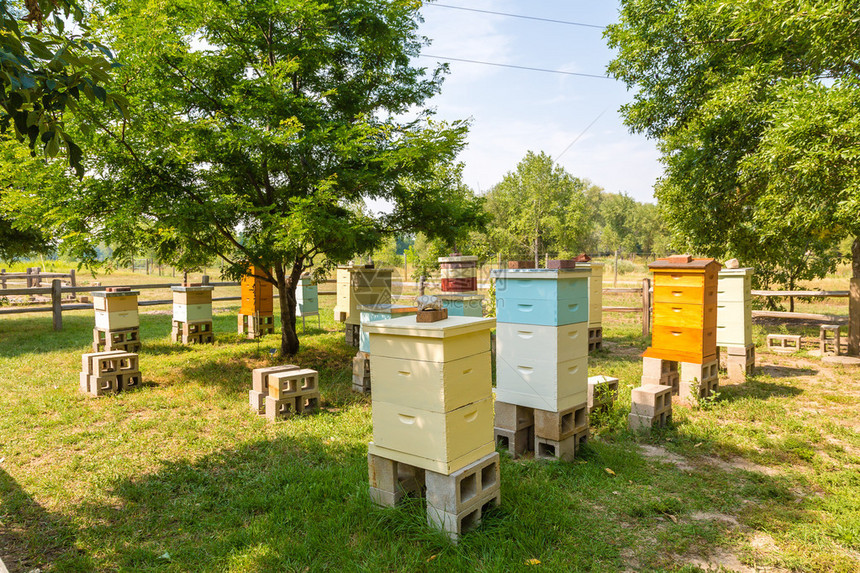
<point x="711" y="516"/>
<point x="741" y="464"/>
<point x="660" y="454"/>
<point x="720" y="560"/>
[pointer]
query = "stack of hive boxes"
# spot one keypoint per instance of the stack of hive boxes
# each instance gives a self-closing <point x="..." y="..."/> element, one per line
<point x="117" y="322"/>
<point x="433" y="418"/>
<point x="361" y="372"/>
<point x="359" y="285"/>
<point x="685" y="326"/>
<point x="192" y="314"/>
<point x="307" y="300"/>
<point x="542" y="359"/>
<point x="595" y="306"/>
<point x="279" y="392"/>
<point x="109" y="372"/>
<point x="734" y="321"/>
<point x="459" y="274"/>
<point x="257" y="312"/>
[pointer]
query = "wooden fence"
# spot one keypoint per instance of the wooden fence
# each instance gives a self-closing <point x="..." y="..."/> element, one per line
<point x="57" y="290"/>
<point x="32" y="278"/>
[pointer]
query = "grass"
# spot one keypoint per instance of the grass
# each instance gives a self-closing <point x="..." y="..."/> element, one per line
<point x="180" y="476"/>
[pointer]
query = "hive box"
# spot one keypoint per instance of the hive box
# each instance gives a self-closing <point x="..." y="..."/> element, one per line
<point x="734" y="307"/>
<point x="541" y="296"/>
<point x="595" y="293"/>
<point x="459" y="273"/>
<point x="459" y="304"/>
<point x="116" y="310"/>
<point x="307" y="298"/>
<point x="357" y="285"/>
<point x="432" y="391"/>
<point x="376" y="312"/>
<point x="685" y="318"/>
<point x="192" y="304"/>
<point x="257" y="294"/>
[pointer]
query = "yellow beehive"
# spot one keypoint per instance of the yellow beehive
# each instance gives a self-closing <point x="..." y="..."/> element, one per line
<point x="595" y="295"/>
<point x="432" y="391"/>
<point x="357" y="286"/>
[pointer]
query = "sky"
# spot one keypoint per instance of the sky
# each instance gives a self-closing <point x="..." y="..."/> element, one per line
<point x="513" y="111"/>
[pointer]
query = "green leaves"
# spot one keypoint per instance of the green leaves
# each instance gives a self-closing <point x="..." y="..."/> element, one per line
<point x="754" y="107"/>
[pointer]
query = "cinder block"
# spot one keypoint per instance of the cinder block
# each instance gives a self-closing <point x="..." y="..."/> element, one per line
<point x="657" y="367"/>
<point x="466" y="487"/>
<point x="102" y="385"/>
<point x="257" y="401"/>
<point x="87" y="363"/>
<point x="784" y="343"/>
<point x="513" y="417"/>
<point x="636" y="422"/>
<point x="130" y="381"/>
<point x="740" y="362"/>
<point x="456" y="524"/>
<point x="85" y="382"/>
<point x="559" y="425"/>
<point x="692" y="392"/>
<point x="691" y="371"/>
<point x="293" y="383"/>
<point x="516" y="442"/>
<point x="391" y="481"/>
<point x="260" y="376"/>
<point x="651" y="400"/>
<point x="280" y="409"/>
<point x="105" y="364"/>
<point x="546" y="449"/>
<point x="602" y="392"/>
<point x="361" y="384"/>
<point x="307" y="403"/>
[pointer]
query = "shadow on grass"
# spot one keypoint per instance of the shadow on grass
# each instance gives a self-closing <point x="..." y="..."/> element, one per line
<point x="784" y="371"/>
<point x="30" y="536"/>
<point x="34" y="334"/>
<point x="757" y="389"/>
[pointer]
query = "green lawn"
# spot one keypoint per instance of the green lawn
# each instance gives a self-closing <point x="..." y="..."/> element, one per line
<point x="180" y="476"/>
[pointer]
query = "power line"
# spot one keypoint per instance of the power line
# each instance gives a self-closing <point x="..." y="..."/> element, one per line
<point x="569" y="23"/>
<point x="581" y="134"/>
<point x="515" y="67"/>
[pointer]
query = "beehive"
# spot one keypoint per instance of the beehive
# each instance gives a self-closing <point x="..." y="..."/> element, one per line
<point x="257" y="294"/>
<point x="192" y="303"/>
<point x="734" y="307"/>
<point x="685" y="310"/>
<point x="432" y="391"/>
<point x="360" y="285"/>
<point x="376" y="312"/>
<point x="307" y="298"/>
<point x="542" y="337"/>
<point x="116" y="310"/>
<point x="595" y="294"/>
<point x="459" y="273"/>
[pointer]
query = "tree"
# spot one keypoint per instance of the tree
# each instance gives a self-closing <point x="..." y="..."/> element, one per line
<point x="618" y="212"/>
<point x="46" y="70"/>
<point x="257" y="130"/>
<point x="754" y="107"/>
<point x="538" y="208"/>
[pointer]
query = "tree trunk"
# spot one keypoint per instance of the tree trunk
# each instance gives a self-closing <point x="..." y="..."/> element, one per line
<point x="854" y="301"/>
<point x="287" y="297"/>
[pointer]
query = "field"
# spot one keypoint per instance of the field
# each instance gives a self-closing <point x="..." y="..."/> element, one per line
<point x="180" y="476"/>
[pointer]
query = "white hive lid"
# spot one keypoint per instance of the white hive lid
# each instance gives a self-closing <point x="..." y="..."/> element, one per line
<point x="408" y="326"/>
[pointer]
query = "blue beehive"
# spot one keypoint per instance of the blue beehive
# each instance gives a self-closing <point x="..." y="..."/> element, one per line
<point x="463" y="304"/>
<point x="374" y="312"/>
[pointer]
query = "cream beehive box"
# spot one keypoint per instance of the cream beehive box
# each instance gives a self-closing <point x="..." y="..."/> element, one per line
<point x="192" y="303"/>
<point x="595" y="294"/>
<point x="734" y="307"/>
<point x="360" y="285"/>
<point x="432" y="391"/>
<point x="116" y="310"/>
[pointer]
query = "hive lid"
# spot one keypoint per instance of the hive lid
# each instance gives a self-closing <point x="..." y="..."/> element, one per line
<point x="451" y="326"/>
<point x="735" y="272"/>
<point x="551" y="274"/>
<point x="101" y="293"/>
<point x="693" y="265"/>
<point x="196" y="288"/>
<point x="390" y="308"/>
<point x="459" y="259"/>
<point x="453" y="296"/>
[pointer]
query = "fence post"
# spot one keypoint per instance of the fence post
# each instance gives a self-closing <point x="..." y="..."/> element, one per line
<point x="72" y="277"/>
<point x="57" y="303"/>
<point x="2" y="279"/>
<point x="204" y="279"/>
<point x="646" y="306"/>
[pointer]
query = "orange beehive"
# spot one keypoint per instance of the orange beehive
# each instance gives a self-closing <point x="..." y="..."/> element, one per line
<point x="685" y="310"/>
<point x="257" y="294"/>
